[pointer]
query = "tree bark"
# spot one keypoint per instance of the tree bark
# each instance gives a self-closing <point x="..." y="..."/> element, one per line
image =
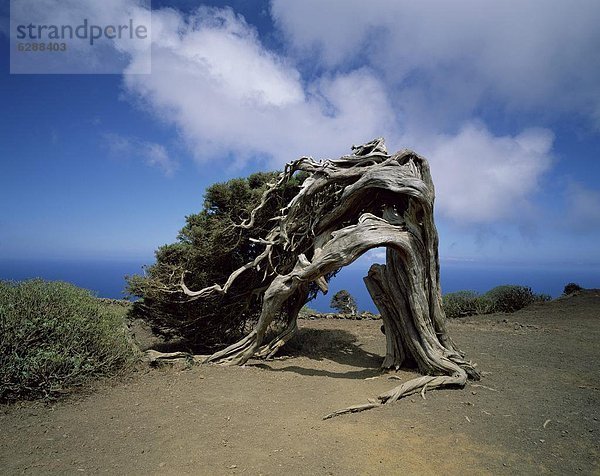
<point x="346" y="207"/>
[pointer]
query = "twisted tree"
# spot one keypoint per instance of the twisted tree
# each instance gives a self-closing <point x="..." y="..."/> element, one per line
<point x="345" y="207"/>
<point x="344" y="302"/>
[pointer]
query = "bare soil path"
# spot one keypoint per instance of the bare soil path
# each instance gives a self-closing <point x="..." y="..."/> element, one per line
<point x="537" y="409"/>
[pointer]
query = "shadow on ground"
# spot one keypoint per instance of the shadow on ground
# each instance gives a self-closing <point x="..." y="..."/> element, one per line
<point x="336" y="345"/>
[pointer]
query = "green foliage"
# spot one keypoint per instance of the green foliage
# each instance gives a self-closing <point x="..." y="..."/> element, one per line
<point x="510" y="298"/>
<point x="343" y="302"/>
<point x="543" y="297"/>
<point x="54" y="336"/>
<point x="571" y="288"/>
<point x="209" y="248"/>
<point x="505" y="298"/>
<point x="466" y="303"/>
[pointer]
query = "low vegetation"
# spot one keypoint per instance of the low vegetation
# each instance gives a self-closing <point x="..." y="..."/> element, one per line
<point x="208" y="249"/>
<point x="55" y="336"/>
<point x="571" y="288"/>
<point x="505" y="298"/>
<point x="466" y="303"/>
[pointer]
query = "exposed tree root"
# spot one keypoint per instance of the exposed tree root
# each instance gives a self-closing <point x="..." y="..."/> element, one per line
<point x="353" y="409"/>
<point x="268" y="351"/>
<point x="236" y="354"/>
<point x="156" y="358"/>
<point x="408" y="388"/>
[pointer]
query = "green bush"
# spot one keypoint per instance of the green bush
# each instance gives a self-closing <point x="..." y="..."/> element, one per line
<point x="208" y="249"/>
<point x="510" y="297"/>
<point x="54" y="336"/>
<point x="465" y="303"/>
<point x="542" y="297"/>
<point x="506" y="298"/>
<point x="571" y="288"/>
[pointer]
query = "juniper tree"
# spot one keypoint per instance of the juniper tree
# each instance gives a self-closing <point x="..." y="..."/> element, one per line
<point x="345" y="207"/>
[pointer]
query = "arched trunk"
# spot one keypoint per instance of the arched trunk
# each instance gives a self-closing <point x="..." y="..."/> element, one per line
<point x="344" y="208"/>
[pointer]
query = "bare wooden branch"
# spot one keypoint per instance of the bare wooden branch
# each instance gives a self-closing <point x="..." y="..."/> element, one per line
<point x="155" y="358"/>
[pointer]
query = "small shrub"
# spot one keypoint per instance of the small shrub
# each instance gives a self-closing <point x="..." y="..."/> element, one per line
<point x="54" y="336"/>
<point x="510" y="298"/>
<point x="343" y="302"/>
<point x="571" y="288"/>
<point x="465" y="303"/>
<point x="543" y="298"/>
<point x="506" y="298"/>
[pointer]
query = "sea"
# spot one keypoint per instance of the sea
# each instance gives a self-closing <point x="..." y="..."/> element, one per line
<point x="106" y="278"/>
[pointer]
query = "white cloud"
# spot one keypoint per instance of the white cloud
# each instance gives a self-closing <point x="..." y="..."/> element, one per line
<point x="449" y="58"/>
<point x="481" y="178"/>
<point x="149" y="153"/>
<point x="118" y="145"/>
<point x="228" y="95"/>
<point x="370" y="257"/>
<point x="157" y="156"/>
<point x="442" y="63"/>
<point x="375" y="255"/>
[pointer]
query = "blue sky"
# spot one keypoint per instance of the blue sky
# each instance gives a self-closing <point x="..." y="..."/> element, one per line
<point x="501" y="98"/>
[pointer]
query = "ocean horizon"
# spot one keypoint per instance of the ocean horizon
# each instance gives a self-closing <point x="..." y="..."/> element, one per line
<point x="106" y="278"/>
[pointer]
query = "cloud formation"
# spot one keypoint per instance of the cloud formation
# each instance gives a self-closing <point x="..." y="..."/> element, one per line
<point x="481" y="178"/>
<point x="149" y="153"/>
<point x="448" y="59"/>
<point x="231" y="99"/>
<point x="228" y="95"/>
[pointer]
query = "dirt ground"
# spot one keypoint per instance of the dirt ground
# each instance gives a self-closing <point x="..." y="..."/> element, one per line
<point x="536" y="410"/>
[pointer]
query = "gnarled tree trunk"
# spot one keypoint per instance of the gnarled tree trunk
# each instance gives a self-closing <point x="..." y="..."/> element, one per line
<point x="346" y="207"/>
